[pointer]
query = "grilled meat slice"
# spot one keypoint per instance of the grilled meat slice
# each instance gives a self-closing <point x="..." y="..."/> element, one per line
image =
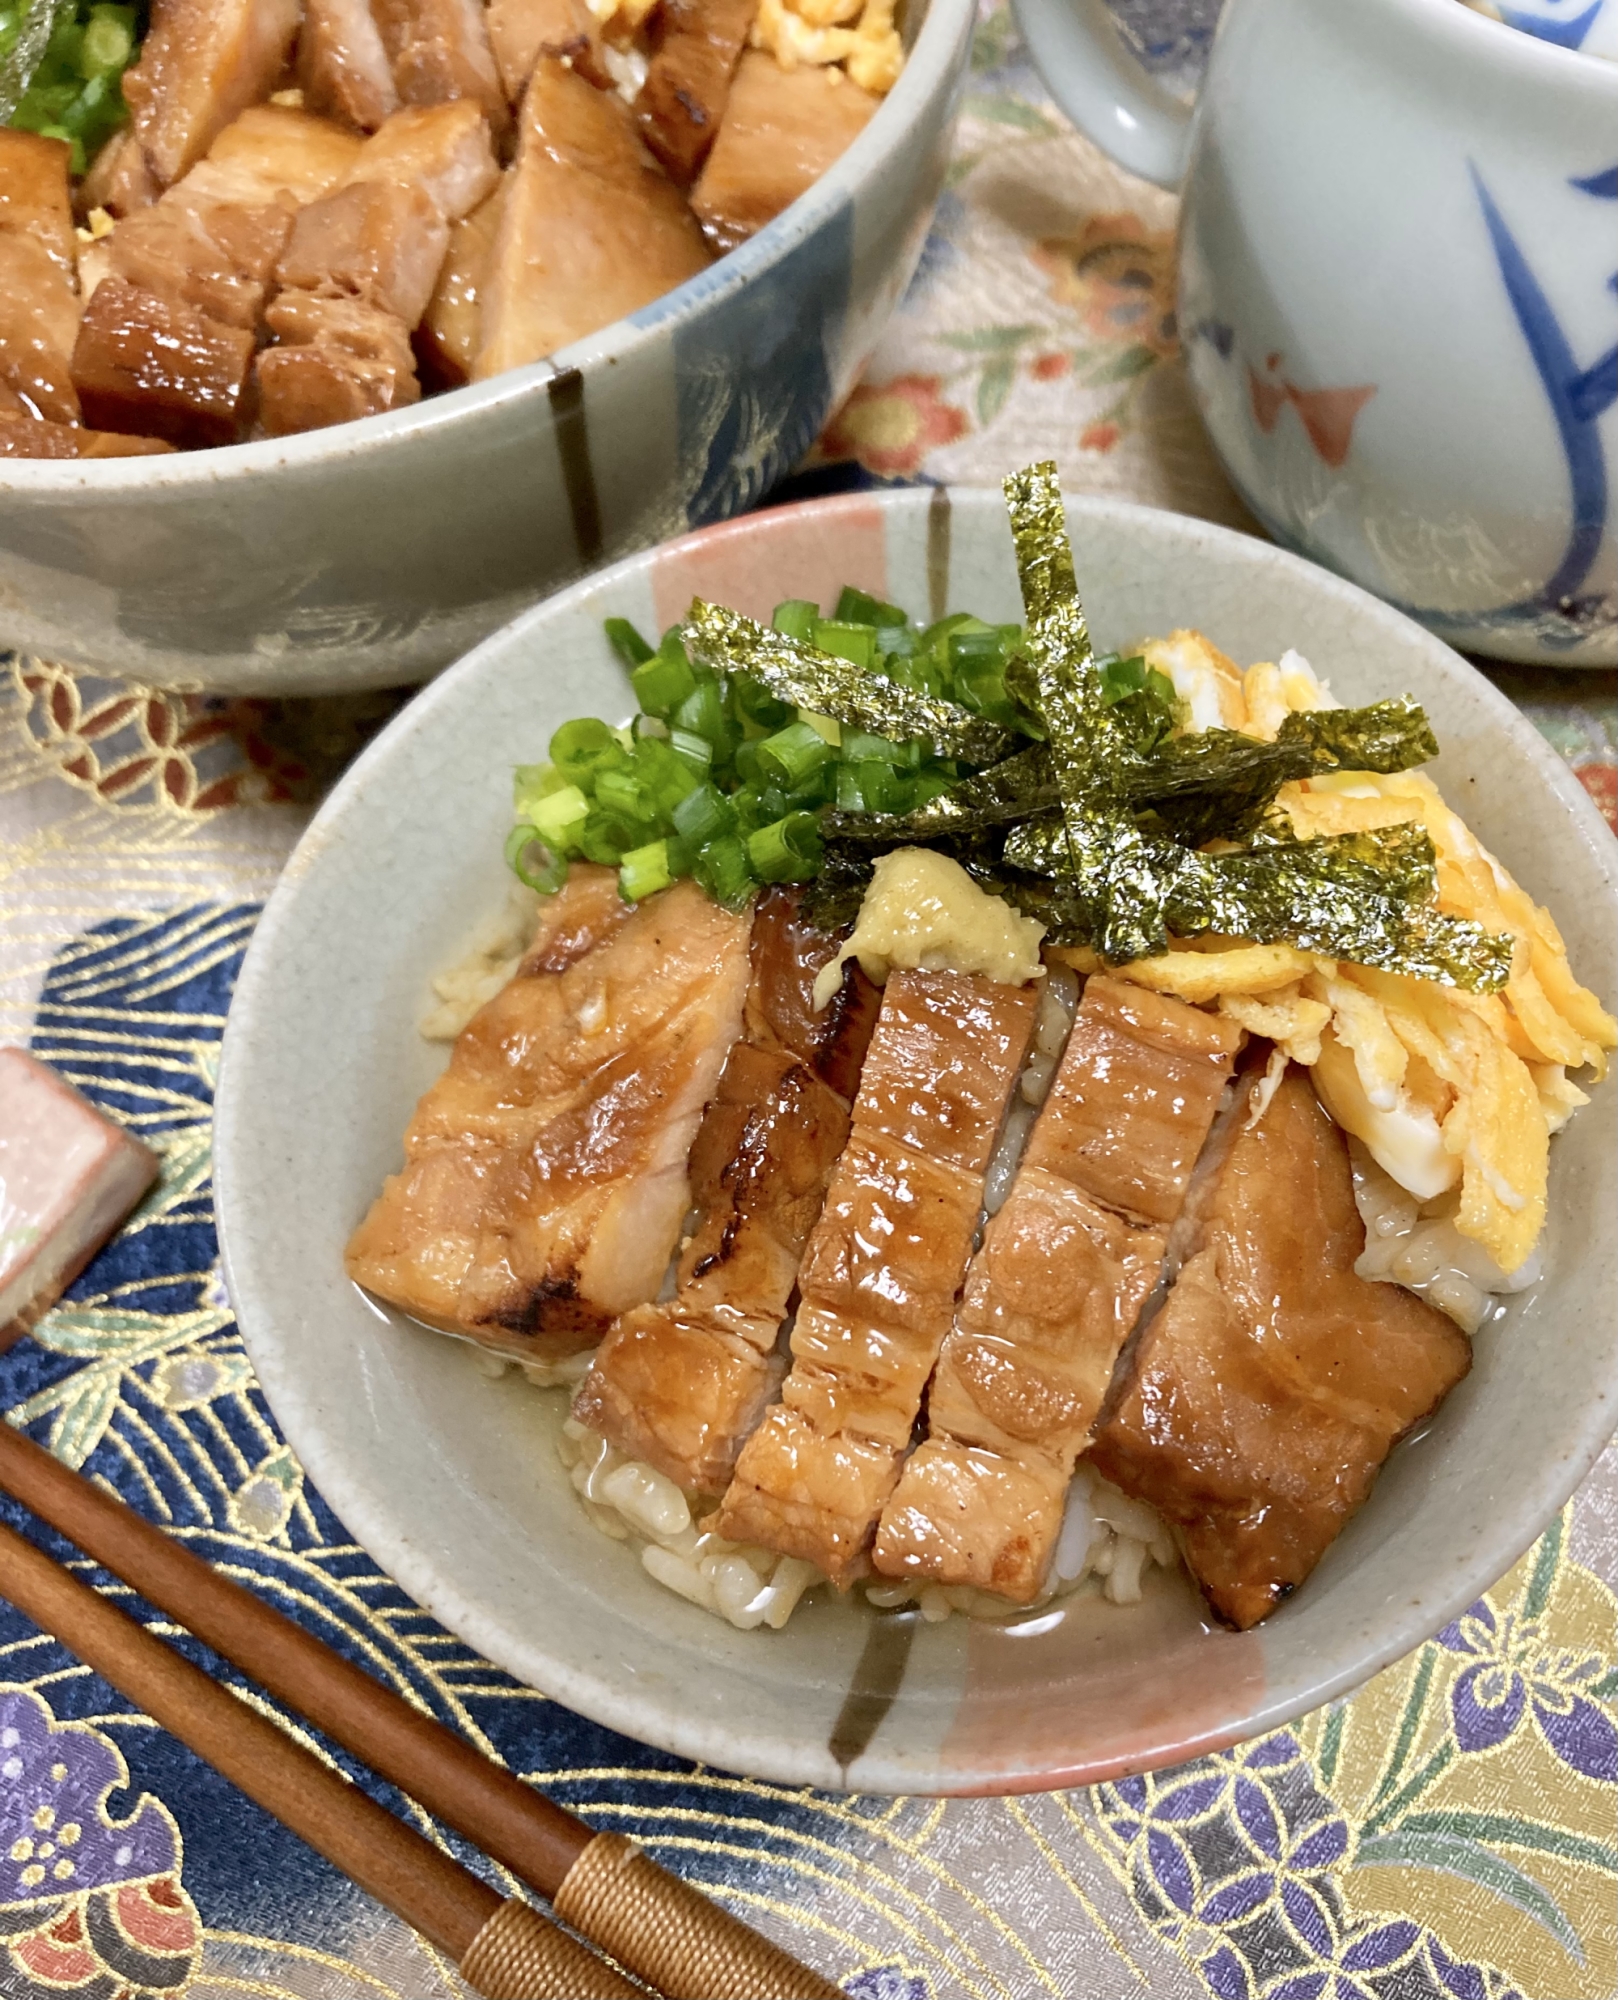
<point x="788" y="952"/>
<point x="687" y="85"/>
<point x="39" y="301"/>
<point x="159" y="368"/>
<point x="519" y="29"/>
<point x="118" y="180"/>
<point x="1054" y="1291"/>
<point x="202" y="260"/>
<point x="439" y="51"/>
<point x="201" y="64"/>
<point x="450" y="332"/>
<point x="782" y="129"/>
<point x="590" y="229"/>
<point x="28" y="437"/>
<point x="682" y="1384"/>
<point x="882" y="1268"/>
<point x="373" y="248"/>
<point x="1260" y="1403"/>
<point x="572" y="1100"/>
<point x="343" y="66"/>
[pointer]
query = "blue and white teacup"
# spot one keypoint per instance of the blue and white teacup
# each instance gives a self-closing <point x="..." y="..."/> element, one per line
<point x="1398" y="289"/>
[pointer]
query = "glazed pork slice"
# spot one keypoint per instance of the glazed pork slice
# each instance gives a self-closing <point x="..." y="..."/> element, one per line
<point x="28" y="437"/>
<point x="682" y="1384"/>
<point x="450" y="332"/>
<point x="202" y="63"/>
<point x="170" y="331"/>
<point x="687" y="85"/>
<point x="519" y="29"/>
<point x="782" y="129"/>
<point x="546" y="1170"/>
<point x="360" y="266"/>
<point x="343" y="66"/>
<point x="882" y="1268"/>
<point x="1259" y="1404"/>
<point x="590" y="230"/>
<point x="439" y="51"/>
<point x="1053" y="1293"/>
<point x="39" y="301"/>
<point x="118" y="179"/>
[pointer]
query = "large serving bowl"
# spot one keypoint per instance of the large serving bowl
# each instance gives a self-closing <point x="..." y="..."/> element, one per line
<point x="451" y="1480"/>
<point x="379" y="551"/>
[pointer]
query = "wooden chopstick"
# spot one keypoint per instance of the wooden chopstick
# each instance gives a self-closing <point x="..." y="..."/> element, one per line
<point x="662" y="1929"/>
<point x="434" y="1893"/>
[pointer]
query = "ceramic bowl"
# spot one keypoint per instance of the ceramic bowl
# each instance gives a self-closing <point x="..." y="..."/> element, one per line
<point x="377" y="552"/>
<point x="451" y="1480"/>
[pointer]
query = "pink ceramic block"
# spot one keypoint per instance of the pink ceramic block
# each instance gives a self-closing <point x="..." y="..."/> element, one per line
<point x="68" y="1177"/>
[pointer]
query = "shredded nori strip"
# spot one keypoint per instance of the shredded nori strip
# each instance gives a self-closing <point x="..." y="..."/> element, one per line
<point x="1367" y="897"/>
<point x="1003" y="795"/>
<point x="1218" y="783"/>
<point x="827" y="685"/>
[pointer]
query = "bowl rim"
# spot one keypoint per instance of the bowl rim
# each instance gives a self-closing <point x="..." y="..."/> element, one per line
<point x="926" y="71"/>
<point x="753" y="1749"/>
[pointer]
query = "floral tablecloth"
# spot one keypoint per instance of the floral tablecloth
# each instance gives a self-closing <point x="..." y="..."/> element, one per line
<point x="1451" y="1833"/>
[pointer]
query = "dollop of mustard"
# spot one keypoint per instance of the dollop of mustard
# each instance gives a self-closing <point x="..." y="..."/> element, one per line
<point x="923" y="911"/>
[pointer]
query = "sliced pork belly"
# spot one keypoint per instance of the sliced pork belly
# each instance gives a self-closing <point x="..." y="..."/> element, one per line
<point x="119" y="179"/>
<point x="158" y="367"/>
<point x="782" y="129"/>
<point x="1260" y="1403"/>
<point x="343" y="67"/>
<point x="881" y="1271"/>
<point x="439" y="51"/>
<point x="160" y="352"/>
<point x="360" y="265"/>
<point x="590" y="230"/>
<point x="519" y="29"/>
<point x="682" y="1384"/>
<point x="1053" y="1293"/>
<point x="546" y="1173"/>
<point x="201" y="64"/>
<point x="687" y="82"/>
<point x="39" y="296"/>
<point x="450" y="332"/>
<point x="27" y="437"/>
<point x="788" y="953"/>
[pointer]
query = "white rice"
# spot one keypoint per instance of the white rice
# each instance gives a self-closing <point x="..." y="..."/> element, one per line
<point x="487" y="964"/>
<point x="1416" y="1244"/>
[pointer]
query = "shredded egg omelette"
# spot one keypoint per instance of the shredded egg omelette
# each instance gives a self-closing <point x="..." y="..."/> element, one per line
<point x="1454" y="1094"/>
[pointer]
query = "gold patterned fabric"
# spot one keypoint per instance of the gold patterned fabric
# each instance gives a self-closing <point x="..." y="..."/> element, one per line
<point x="1450" y="1833"/>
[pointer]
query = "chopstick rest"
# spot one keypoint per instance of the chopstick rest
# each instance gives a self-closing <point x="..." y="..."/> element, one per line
<point x="68" y="1177"/>
<point x="505" y="1949"/>
<point x="662" y="1929"/>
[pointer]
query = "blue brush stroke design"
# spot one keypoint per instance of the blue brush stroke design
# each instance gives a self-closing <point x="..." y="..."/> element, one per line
<point x="1603" y="186"/>
<point x="1567" y="34"/>
<point x="1577" y="396"/>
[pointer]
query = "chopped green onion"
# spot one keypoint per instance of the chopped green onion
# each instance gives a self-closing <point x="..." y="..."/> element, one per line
<point x="704" y="814"/>
<point x="644" y="871"/>
<point x="663" y="680"/>
<point x="626" y="642"/>
<point x="856" y="607"/>
<point x="623" y="793"/>
<point x="702" y="711"/>
<point x="797" y="618"/>
<point x="845" y="641"/>
<point x="791" y="754"/>
<point x="533" y="863"/>
<point x="786" y="850"/>
<point x="722" y="869"/>
<point x="822" y="725"/>
<point x="581" y="748"/>
<point x="755" y="704"/>
<point x="533" y="781"/>
<point x="559" y="817"/>
<point x="860" y="746"/>
<point x="695" y="749"/>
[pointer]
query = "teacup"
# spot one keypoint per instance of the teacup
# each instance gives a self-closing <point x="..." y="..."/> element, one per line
<point x="1398" y="266"/>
